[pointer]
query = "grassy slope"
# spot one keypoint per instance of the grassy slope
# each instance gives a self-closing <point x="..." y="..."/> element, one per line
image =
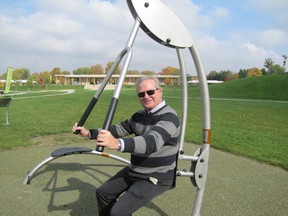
<point x="266" y="87"/>
<point x="255" y="130"/>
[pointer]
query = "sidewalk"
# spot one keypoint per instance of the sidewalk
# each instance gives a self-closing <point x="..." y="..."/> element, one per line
<point x="66" y="186"/>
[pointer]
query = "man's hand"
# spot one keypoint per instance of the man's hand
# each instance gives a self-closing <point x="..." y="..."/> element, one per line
<point x="83" y="132"/>
<point x="106" y="139"/>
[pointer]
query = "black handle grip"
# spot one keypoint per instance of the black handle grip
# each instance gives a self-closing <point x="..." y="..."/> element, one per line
<point x="86" y="113"/>
<point x="109" y="118"/>
<point x="100" y="148"/>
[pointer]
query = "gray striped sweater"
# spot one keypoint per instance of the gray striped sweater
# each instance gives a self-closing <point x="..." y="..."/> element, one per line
<point x="154" y="147"/>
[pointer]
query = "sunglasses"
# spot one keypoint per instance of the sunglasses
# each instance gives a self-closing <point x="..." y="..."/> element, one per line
<point x="149" y="92"/>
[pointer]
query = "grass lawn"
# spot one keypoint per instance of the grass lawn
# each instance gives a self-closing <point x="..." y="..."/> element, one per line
<point x="251" y="128"/>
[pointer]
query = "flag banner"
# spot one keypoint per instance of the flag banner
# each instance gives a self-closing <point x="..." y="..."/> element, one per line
<point x="8" y="80"/>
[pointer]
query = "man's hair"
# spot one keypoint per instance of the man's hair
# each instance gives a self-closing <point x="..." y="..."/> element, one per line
<point x="148" y="77"/>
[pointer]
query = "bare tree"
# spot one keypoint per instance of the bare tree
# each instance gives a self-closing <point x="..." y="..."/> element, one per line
<point x="284" y="60"/>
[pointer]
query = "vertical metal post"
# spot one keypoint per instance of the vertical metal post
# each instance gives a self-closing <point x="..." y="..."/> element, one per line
<point x="115" y="98"/>
<point x="206" y="125"/>
<point x="184" y="98"/>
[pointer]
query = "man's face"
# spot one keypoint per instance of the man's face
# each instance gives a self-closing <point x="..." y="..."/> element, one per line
<point x="149" y="102"/>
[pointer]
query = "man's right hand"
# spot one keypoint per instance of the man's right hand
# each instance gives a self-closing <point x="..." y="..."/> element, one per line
<point x="81" y="131"/>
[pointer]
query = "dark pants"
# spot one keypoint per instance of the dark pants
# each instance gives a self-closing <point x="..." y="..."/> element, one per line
<point x="138" y="191"/>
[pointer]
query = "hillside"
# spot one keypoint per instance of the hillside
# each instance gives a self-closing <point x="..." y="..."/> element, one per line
<point x="273" y="87"/>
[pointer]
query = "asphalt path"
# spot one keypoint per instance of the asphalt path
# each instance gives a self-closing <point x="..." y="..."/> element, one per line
<point x="66" y="186"/>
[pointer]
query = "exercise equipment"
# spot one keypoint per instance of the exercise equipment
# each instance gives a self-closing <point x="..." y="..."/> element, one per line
<point x="162" y="25"/>
<point x="5" y="103"/>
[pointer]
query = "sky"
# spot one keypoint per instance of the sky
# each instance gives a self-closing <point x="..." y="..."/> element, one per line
<point x="229" y="35"/>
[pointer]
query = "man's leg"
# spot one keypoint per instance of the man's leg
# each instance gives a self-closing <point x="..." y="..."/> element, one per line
<point x="108" y="192"/>
<point x="141" y="192"/>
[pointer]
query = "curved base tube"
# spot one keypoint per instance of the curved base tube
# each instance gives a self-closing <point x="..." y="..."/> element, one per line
<point x="62" y="152"/>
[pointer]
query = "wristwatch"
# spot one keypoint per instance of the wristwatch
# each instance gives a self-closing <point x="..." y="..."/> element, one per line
<point x="120" y="144"/>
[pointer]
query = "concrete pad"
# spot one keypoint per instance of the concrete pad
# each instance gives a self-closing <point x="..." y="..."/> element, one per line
<point x="66" y="186"/>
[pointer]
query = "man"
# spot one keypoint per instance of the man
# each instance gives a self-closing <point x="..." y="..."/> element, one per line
<point x="153" y="149"/>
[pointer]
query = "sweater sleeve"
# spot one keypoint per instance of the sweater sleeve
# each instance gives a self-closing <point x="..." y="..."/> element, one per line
<point x="93" y="133"/>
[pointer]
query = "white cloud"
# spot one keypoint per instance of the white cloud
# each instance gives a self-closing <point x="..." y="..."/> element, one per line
<point x="269" y="6"/>
<point x="273" y="37"/>
<point x="76" y="33"/>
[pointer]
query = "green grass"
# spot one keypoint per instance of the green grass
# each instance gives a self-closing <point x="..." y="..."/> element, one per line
<point x="273" y="87"/>
<point x="254" y="129"/>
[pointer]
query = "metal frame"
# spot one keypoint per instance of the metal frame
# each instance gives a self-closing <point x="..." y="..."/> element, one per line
<point x="163" y="26"/>
<point x="5" y="102"/>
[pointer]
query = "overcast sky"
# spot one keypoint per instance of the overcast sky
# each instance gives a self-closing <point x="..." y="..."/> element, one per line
<point x="230" y="35"/>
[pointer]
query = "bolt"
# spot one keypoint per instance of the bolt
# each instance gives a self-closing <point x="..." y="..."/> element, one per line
<point x="168" y="40"/>
<point x="202" y="160"/>
<point x="200" y="176"/>
<point x="146" y="4"/>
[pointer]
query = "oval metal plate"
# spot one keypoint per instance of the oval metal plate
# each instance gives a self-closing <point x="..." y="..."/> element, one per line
<point x="160" y="23"/>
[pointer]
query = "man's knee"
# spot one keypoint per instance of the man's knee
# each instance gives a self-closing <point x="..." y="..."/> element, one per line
<point x="98" y="193"/>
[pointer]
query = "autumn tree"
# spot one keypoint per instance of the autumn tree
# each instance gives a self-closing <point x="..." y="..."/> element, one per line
<point x="21" y="74"/>
<point x="222" y="75"/>
<point x="61" y="79"/>
<point x="35" y="76"/>
<point x="55" y="71"/>
<point x="254" y="72"/>
<point x="170" y="71"/>
<point x="109" y="65"/>
<point x="97" y="69"/>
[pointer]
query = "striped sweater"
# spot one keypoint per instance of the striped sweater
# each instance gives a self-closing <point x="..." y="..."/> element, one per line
<point x="155" y="145"/>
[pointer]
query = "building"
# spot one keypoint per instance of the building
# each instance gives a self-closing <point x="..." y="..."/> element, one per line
<point x="92" y="81"/>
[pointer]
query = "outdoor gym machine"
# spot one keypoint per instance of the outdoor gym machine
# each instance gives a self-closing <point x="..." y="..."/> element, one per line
<point x="163" y="26"/>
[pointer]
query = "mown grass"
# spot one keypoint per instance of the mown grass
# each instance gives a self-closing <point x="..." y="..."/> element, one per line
<point x="252" y="128"/>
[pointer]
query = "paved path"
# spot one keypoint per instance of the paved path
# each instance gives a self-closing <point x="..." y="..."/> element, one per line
<point x="235" y="186"/>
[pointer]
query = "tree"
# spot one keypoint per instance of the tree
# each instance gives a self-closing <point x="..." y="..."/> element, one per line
<point x="227" y="75"/>
<point x="21" y="74"/>
<point x="109" y="65"/>
<point x="29" y="83"/>
<point x="55" y="71"/>
<point x="35" y="76"/>
<point x="134" y="72"/>
<point x="147" y="72"/>
<point x="277" y="69"/>
<point x="254" y="72"/>
<point x="97" y="69"/>
<point x="242" y="73"/>
<point x="170" y="71"/>
<point x="267" y="64"/>
<point x="264" y="72"/>
<point x="213" y="75"/>
<point x="25" y="73"/>
<point x="284" y="60"/>
<point x="82" y="70"/>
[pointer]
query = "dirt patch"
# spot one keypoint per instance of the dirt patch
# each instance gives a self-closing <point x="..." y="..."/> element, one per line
<point x="57" y="139"/>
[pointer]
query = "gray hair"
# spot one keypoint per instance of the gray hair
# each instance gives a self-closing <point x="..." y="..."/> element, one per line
<point x="148" y="77"/>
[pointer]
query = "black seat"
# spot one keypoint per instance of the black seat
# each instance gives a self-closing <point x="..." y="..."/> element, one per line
<point x="69" y="150"/>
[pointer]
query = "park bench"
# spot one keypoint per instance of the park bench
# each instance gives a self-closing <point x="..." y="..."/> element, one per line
<point x="4" y="103"/>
